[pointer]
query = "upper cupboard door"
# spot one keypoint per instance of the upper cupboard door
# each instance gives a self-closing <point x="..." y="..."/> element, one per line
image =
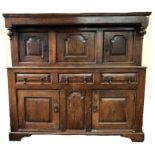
<point x="75" y="47"/>
<point x="33" y="48"/>
<point x="118" y="47"/>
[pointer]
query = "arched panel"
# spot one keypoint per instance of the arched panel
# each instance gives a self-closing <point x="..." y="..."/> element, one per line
<point x="118" y="45"/>
<point x="75" y="47"/>
<point x="75" y="44"/>
<point x="75" y="111"/>
<point x="34" y="46"/>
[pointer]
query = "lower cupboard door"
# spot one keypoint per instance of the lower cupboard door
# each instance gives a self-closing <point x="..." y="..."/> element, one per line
<point x="38" y="109"/>
<point x="75" y="109"/>
<point x="113" y="109"/>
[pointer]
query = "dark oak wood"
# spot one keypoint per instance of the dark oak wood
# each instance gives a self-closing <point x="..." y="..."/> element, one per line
<point x="113" y="109"/>
<point x="118" y="46"/>
<point x="138" y="18"/>
<point x="17" y="136"/>
<point x="135" y="137"/>
<point x="33" y="47"/>
<point x="138" y="137"/>
<point x="38" y="110"/>
<point x="75" y="47"/>
<point x="45" y="46"/>
<point x="76" y="74"/>
<point x="75" y="109"/>
<point x="62" y="39"/>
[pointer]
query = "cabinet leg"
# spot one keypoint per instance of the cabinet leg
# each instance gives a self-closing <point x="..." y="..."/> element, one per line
<point x="17" y="136"/>
<point x="135" y="137"/>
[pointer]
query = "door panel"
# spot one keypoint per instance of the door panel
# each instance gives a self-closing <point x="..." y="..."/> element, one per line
<point x="113" y="109"/>
<point x="75" y="111"/>
<point x="118" y="46"/>
<point x="33" y="47"/>
<point x="75" y="47"/>
<point x="73" y="108"/>
<point x="38" y="110"/>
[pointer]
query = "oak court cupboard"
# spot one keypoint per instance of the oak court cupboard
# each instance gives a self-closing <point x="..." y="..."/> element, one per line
<point x="76" y="74"/>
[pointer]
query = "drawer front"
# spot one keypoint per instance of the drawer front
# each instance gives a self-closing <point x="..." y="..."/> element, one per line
<point x="93" y="78"/>
<point x="76" y="78"/>
<point x="33" y="78"/>
<point x="119" y="78"/>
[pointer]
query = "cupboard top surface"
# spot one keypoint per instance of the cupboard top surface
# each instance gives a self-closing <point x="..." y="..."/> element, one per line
<point x="76" y="14"/>
<point x="134" y="18"/>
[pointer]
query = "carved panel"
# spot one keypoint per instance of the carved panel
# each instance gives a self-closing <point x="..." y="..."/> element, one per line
<point x="75" y="47"/>
<point x="75" y="111"/>
<point x="34" y="47"/>
<point x="118" y="46"/>
<point x="37" y="109"/>
<point x="114" y="109"/>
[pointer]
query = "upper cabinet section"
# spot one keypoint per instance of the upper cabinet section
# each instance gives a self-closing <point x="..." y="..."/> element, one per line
<point x="76" y="39"/>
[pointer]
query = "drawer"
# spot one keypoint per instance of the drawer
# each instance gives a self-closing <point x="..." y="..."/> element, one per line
<point x="76" y="78"/>
<point x="114" y="78"/>
<point x="33" y="78"/>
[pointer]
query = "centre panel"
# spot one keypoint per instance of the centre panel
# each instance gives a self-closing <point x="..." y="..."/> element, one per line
<point x="76" y="47"/>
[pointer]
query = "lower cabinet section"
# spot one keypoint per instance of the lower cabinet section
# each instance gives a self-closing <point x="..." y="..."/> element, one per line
<point x="111" y="109"/>
<point x="38" y="109"/>
<point x="100" y="107"/>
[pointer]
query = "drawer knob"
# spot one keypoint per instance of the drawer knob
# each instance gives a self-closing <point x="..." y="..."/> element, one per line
<point x="82" y="97"/>
<point x="130" y="80"/>
<point x="109" y="79"/>
<point x="66" y="80"/>
<point x="25" y="80"/>
<point x="85" y="79"/>
<point x="56" y="108"/>
<point x="47" y="78"/>
<point x="42" y="79"/>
